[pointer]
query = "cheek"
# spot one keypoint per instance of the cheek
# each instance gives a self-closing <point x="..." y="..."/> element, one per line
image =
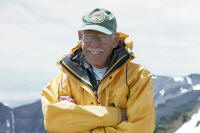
<point x="84" y="48"/>
<point x="107" y="50"/>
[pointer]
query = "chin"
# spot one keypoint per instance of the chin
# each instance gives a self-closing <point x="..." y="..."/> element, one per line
<point x="96" y="63"/>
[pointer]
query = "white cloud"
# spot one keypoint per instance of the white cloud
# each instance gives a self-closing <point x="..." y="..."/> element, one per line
<point x="14" y="13"/>
<point x="16" y="98"/>
<point x="17" y="95"/>
<point x="166" y="33"/>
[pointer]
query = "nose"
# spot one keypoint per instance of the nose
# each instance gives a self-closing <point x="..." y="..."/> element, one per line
<point x="95" y="42"/>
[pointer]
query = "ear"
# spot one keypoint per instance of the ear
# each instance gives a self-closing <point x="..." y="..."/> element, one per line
<point x="116" y="40"/>
<point x="80" y="36"/>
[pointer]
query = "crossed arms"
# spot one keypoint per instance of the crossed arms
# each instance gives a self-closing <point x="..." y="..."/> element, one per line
<point x="63" y="115"/>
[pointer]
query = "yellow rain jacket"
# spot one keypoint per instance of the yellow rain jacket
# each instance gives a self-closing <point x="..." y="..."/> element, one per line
<point x="125" y="85"/>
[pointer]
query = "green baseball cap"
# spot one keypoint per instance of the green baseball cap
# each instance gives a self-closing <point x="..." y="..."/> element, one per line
<point x="99" y="19"/>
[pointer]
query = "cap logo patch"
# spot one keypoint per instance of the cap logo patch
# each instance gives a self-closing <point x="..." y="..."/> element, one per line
<point x="97" y="17"/>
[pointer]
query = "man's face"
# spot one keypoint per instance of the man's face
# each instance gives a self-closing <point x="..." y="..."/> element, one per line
<point x="97" y="47"/>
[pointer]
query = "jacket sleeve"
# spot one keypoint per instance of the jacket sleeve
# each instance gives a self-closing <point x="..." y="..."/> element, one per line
<point x="65" y="116"/>
<point x="140" y="108"/>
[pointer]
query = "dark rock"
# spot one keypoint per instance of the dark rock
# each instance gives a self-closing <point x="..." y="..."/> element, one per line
<point x="6" y="119"/>
<point x="29" y="118"/>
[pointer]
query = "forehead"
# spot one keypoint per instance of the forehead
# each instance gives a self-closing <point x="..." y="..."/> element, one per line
<point x="93" y="32"/>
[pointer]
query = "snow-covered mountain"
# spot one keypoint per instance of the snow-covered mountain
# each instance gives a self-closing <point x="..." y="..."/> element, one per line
<point x="166" y="88"/>
<point x="191" y="126"/>
<point x="176" y="99"/>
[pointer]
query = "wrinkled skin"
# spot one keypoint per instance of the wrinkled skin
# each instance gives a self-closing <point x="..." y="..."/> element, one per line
<point x="96" y="52"/>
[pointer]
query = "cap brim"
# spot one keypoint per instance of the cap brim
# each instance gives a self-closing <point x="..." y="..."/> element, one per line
<point x="97" y="28"/>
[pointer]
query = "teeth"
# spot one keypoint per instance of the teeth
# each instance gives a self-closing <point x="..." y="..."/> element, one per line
<point x="94" y="51"/>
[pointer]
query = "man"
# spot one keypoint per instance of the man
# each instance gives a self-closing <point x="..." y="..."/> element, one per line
<point x="99" y="89"/>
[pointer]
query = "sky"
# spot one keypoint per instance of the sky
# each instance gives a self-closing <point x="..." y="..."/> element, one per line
<point x="34" y="34"/>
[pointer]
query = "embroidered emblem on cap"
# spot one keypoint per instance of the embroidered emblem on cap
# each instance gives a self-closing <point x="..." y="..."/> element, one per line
<point x="97" y="17"/>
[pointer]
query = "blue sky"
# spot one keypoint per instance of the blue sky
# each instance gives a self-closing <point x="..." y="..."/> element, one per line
<point x="34" y="34"/>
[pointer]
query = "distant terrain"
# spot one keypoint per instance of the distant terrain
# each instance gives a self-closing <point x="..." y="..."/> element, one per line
<point x="177" y="99"/>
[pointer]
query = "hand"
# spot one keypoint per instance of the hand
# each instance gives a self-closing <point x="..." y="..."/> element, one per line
<point x="123" y="115"/>
<point x="68" y="98"/>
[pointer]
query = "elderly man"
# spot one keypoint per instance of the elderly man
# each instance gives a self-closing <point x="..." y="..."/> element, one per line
<point x="99" y="89"/>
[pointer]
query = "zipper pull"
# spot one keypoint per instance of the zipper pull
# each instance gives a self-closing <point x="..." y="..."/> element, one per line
<point x="95" y="93"/>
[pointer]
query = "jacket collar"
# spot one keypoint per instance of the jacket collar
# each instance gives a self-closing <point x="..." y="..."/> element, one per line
<point x="76" y="64"/>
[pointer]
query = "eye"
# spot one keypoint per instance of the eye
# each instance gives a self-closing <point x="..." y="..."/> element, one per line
<point x="87" y="37"/>
<point x="103" y="38"/>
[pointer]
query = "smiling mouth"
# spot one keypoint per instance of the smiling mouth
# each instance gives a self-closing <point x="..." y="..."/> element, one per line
<point x="94" y="51"/>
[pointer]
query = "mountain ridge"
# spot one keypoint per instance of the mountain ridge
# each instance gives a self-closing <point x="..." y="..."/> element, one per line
<point x="176" y="99"/>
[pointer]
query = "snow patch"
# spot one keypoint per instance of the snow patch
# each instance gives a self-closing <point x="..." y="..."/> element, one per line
<point x="191" y="126"/>
<point x="7" y="123"/>
<point x="154" y="77"/>
<point x="178" y="79"/>
<point x="183" y="90"/>
<point x="196" y="87"/>
<point x="13" y="121"/>
<point x="189" y="80"/>
<point x="162" y="92"/>
<point x="5" y="103"/>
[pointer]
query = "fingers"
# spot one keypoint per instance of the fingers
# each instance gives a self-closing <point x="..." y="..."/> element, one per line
<point x="68" y="98"/>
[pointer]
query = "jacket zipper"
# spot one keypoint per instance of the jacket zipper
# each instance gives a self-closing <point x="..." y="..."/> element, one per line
<point x="95" y="93"/>
<point x="108" y="72"/>
<point x="80" y="80"/>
